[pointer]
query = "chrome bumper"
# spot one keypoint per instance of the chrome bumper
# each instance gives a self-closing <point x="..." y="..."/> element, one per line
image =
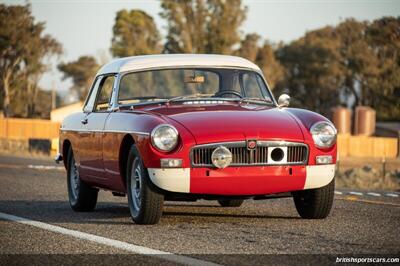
<point x="58" y="158"/>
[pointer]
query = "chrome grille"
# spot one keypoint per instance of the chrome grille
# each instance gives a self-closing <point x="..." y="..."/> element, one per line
<point x="296" y="154"/>
<point x="241" y="156"/>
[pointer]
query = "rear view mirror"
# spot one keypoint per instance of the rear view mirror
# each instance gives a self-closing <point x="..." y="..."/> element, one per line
<point x="194" y="79"/>
<point x="284" y="100"/>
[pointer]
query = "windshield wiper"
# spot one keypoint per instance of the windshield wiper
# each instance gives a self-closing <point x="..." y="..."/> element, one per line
<point x="255" y="100"/>
<point x="190" y="96"/>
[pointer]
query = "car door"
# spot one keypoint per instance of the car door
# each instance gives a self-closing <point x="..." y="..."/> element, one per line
<point x="91" y="136"/>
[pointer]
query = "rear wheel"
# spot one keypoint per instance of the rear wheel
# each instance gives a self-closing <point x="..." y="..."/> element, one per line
<point x="82" y="197"/>
<point x="145" y="203"/>
<point x="231" y="202"/>
<point x="315" y="203"/>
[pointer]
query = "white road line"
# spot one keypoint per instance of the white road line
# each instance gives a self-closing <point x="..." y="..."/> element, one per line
<point x="45" y="167"/>
<point x="374" y="194"/>
<point x="338" y="192"/>
<point x="392" y="195"/>
<point x="109" y="242"/>
<point x="356" y="193"/>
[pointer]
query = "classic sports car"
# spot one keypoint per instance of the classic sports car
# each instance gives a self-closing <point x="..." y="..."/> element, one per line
<point x="188" y="127"/>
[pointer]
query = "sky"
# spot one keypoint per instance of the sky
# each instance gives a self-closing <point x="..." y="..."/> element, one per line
<point x="85" y="27"/>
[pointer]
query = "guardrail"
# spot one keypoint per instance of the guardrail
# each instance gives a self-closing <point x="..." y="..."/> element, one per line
<point x="353" y="146"/>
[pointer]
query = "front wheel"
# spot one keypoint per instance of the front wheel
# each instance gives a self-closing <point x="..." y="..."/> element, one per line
<point x="231" y="203"/>
<point x="82" y="197"/>
<point x="145" y="203"/>
<point x="315" y="203"/>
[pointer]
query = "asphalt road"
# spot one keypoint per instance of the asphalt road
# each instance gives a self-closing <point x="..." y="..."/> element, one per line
<point x="35" y="189"/>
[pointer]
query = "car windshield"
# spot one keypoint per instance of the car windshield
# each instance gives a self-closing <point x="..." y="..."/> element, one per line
<point x="180" y="84"/>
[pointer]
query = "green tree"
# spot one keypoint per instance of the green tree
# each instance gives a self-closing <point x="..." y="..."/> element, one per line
<point x="82" y="72"/>
<point x="134" y="33"/>
<point x="23" y="47"/>
<point x="202" y="26"/>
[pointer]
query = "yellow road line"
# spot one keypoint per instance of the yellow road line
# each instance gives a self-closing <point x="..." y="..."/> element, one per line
<point x="354" y="198"/>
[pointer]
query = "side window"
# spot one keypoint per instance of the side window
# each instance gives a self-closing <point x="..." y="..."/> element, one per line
<point x="92" y="96"/>
<point x="251" y="85"/>
<point x="106" y="88"/>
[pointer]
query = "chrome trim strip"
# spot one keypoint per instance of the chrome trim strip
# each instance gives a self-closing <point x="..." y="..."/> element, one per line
<point x="233" y="144"/>
<point x="105" y="131"/>
<point x="242" y="144"/>
<point x="264" y="143"/>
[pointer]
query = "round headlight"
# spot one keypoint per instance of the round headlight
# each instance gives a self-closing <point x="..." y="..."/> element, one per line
<point x="221" y="157"/>
<point x="164" y="137"/>
<point x="323" y="134"/>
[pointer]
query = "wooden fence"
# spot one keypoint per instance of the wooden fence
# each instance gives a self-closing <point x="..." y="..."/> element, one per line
<point x="354" y="146"/>
<point x="363" y="146"/>
<point x="15" y="128"/>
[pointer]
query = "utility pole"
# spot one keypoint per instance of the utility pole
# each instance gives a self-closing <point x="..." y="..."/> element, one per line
<point x="53" y="97"/>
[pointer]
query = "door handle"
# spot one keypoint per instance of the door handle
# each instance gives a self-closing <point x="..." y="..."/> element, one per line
<point x="84" y="121"/>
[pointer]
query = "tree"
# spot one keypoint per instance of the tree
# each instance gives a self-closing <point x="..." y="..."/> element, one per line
<point x="263" y="56"/>
<point x="35" y="67"/>
<point x="225" y="19"/>
<point x="383" y="37"/>
<point x="273" y="70"/>
<point x="313" y="70"/>
<point x="134" y="33"/>
<point x="249" y="47"/>
<point x="202" y="26"/>
<point x="357" y="60"/>
<point x="22" y="49"/>
<point x="82" y="72"/>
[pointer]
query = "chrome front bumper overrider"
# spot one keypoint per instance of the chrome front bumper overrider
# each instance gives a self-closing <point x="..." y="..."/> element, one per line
<point x="58" y="158"/>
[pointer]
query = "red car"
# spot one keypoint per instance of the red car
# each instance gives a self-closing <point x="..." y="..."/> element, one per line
<point x="189" y="127"/>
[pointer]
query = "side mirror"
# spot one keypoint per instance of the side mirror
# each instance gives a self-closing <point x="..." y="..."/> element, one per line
<point x="284" y="100"/>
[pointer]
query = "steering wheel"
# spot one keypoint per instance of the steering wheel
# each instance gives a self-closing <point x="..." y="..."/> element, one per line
<point x="220" y="93"/>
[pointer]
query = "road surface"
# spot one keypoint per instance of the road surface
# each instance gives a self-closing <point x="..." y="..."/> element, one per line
<point x="35" y="218"/>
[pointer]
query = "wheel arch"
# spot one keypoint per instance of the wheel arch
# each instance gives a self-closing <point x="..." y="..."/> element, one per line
<point x="124" y="149"/>
<point x="65" y="149"/>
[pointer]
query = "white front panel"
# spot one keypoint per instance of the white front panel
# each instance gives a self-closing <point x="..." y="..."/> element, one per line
<point x="319" y="175"/>
<point x="171" y="179"/>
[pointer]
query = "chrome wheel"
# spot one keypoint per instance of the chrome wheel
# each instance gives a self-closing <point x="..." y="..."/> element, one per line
<point x="145" y="202"/>
<point x="74" y="179"/>
<point x="136" y="185"/>
<point x="82" y="197"/>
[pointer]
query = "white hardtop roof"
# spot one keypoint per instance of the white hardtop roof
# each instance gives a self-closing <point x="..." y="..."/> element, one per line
<point x="142" y="62"/>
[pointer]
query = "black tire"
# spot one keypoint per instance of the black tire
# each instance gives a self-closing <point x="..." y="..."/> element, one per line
<point x="231" y="203"/>
<point x="145" y="203"/>
<point x="315" y="203"/>
<point x="82" y="197"/>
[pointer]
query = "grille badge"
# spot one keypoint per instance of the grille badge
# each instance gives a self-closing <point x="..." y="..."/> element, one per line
<point x="251" y="144"/>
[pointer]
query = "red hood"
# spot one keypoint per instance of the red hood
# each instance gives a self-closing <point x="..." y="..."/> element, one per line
<point x="229" y="122"/>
